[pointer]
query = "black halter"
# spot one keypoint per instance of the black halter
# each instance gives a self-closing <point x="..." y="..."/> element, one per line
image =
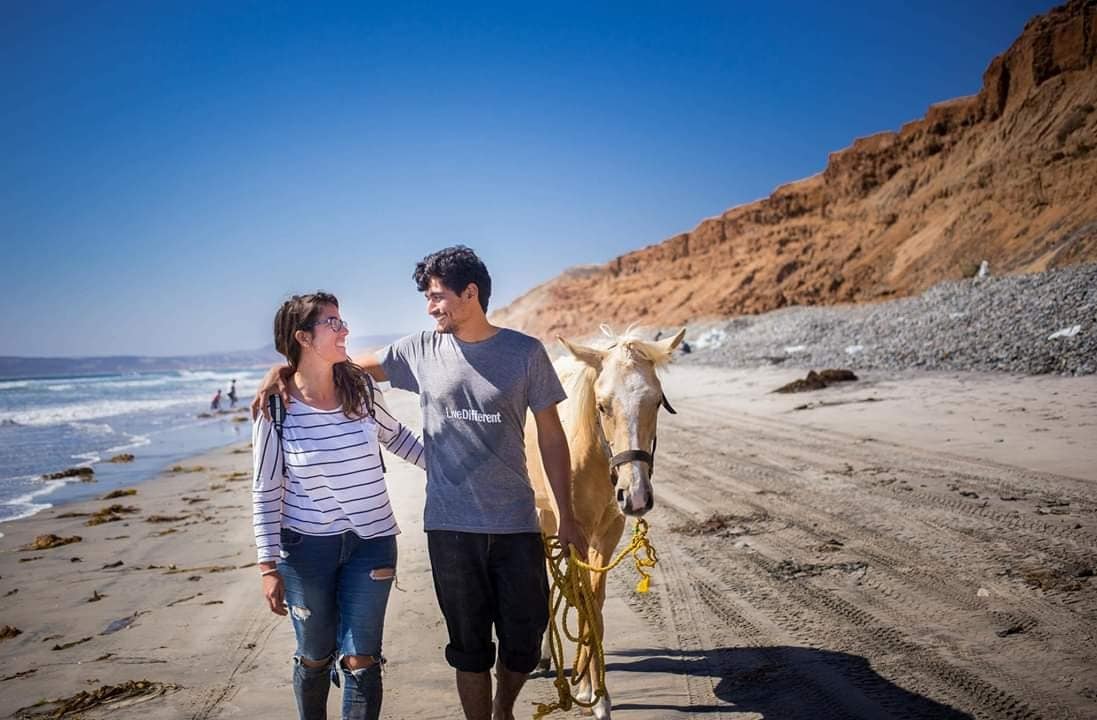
<point x="628" y="456"/>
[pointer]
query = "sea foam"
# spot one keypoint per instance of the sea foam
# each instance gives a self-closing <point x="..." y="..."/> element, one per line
<point x="23" y="505"/>
<point x="77" y="412"/>
<point x="136" y="441"/>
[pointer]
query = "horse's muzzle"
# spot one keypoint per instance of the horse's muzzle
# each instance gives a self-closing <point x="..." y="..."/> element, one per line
<point x="625" y="503"/>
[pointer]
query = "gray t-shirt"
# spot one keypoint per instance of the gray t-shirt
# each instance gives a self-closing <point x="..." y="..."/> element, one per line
<point x="474" y="398"/>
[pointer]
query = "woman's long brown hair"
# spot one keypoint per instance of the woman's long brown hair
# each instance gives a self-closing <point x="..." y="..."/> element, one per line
<point x="301" y="312"/>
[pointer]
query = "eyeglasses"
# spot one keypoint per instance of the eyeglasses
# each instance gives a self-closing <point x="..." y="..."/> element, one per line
<point x="336" y="324"/>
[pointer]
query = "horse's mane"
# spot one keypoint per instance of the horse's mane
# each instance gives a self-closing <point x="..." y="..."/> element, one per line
<point x="580" y="415"/>
<point x="633" y="344"/>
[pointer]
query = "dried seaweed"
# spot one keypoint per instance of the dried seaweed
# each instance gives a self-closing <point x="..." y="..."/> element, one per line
<point x="88" y="700"/>
<point x="18" y="675"/>
<point x="124" y="492"/>
<point x="84" y="473"/>
<point x="45" y="542"/>
<point x="173" y="603"/>
<point x="74" y="643"/>
<point x="111" y="514"/>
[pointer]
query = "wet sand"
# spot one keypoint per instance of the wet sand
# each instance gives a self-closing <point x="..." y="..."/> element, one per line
<point x="913" y="546"/>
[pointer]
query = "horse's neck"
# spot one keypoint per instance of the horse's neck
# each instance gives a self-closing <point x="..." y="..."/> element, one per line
<point x="591" y="487"/>
<point x="588" y="451"/>
<point x="589" y="455"/>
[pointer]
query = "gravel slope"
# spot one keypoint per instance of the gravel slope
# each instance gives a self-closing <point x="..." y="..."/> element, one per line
<point x="1033" y="324"/>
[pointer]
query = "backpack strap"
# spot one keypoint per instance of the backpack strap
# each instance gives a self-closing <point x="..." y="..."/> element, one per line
<point x="369" y="388"/>
<point x="278" y="419"/>
<point x="373" y="415"/>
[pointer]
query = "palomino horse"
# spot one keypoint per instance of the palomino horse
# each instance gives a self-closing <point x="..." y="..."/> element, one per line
<point x="610" y="416"/>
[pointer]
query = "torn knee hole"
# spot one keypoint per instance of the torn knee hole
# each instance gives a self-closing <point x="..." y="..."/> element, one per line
<point x="299" y="612"/>
<point x="359" y="662"/>
<point x="382" y="573"/>
<point x="313" y="663"/>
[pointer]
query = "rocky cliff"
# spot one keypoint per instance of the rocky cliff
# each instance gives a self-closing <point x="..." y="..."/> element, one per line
<point x="1008" y="176"/>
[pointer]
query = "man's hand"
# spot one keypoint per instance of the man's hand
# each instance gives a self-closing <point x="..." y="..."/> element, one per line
<point x="571" y="536"/>
<point x="556" y="459"/>
<point x="371" y="364"/>
<point x="275" y="381"/>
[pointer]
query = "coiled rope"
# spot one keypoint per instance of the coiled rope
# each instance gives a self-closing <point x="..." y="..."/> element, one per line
<point x="571" y="591"/>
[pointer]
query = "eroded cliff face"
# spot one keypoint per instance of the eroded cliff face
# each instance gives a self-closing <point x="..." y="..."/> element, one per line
<point x="1008" y="176"/>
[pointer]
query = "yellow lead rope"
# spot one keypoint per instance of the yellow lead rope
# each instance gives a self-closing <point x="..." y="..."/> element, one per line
<point x="571" y="590"/>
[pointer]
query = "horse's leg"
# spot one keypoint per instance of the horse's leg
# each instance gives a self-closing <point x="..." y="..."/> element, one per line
<point x="601" y="552"/>
<point x="549" y="527"/>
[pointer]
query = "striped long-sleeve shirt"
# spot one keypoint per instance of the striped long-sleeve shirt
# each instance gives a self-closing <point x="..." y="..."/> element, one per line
<point x="335" y="480"/>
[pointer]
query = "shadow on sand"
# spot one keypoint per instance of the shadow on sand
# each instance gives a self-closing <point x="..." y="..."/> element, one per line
<point x="785" y="683"/>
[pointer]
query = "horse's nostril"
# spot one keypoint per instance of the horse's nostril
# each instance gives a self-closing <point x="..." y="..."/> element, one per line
<point x="620" y="496"/>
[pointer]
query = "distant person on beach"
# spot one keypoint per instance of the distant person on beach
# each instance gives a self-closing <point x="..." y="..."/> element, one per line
<point x="232" y="394"/>
<point x="324" y="529"/>
<point x="477" y="382"/>
<point x="215" y="403"/>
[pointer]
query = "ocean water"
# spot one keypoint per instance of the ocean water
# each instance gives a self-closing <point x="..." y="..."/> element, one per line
<point x="52" y="424"/>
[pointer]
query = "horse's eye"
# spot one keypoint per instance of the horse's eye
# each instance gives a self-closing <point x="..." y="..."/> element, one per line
<point x="602" y="408"/>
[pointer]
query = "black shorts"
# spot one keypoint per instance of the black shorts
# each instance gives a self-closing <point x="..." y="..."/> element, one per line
<point x="483" y="580"/>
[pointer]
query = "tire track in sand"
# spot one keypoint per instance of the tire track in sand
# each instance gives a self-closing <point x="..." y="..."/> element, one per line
<point x="787" y="487"/>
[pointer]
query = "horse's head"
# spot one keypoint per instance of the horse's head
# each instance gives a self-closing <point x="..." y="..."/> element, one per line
<point x="628" y="395"/>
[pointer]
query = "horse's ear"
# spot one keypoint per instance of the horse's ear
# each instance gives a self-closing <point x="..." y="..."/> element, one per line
<point x="667" y="346"/>
<point x="590" y="356"/>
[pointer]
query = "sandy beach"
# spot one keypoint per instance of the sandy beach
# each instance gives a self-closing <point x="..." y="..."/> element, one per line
<point x="911" y="545"/>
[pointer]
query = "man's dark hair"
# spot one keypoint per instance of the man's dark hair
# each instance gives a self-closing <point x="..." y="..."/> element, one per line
<point x="456" y="267"/>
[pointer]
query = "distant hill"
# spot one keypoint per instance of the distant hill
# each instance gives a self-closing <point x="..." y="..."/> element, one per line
<point x="1008" y="176"/>
<point x="40" y="367"/>
<point x="371" y="342"/>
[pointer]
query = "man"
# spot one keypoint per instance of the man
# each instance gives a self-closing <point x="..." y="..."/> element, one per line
<point x="477" y="381"/>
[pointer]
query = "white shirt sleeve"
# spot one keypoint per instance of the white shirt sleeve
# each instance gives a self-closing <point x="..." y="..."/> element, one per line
<point x="394" y="435"/>
<point x="266" y="490"/>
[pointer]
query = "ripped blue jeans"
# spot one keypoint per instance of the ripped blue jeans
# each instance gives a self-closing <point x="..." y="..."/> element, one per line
<point x="337" y="589"/>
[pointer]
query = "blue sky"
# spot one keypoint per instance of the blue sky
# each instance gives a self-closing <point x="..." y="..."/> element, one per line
<point x="173" y="170"/>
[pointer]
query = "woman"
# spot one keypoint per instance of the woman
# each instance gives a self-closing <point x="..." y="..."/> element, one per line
<point x="324" y="529"/>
